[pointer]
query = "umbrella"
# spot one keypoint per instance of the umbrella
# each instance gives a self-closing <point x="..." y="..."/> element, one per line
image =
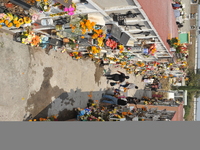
<point x="65" y="3"/>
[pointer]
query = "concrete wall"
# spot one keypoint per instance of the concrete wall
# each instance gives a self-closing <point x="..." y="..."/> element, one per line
<point x="179" y="110"/>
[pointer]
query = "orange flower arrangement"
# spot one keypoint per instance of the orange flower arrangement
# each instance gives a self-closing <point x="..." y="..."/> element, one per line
<point x="10" y="24"/>
<point x="6" y="22"/>
<point x="35" y="40"/>
<point x="17" y="25"/>
<point x="2" y="20"/>
<point x="86" y="25"/>
<point x="15" y="22"/>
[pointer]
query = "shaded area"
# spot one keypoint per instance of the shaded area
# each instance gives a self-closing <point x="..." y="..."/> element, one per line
<point x="64" y="105"/>
<point x="98" y="73"/>
<point x="55" y="101"/>
<point x="43" y="97"/>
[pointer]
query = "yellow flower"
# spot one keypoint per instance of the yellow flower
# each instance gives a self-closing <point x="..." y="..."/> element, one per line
<point x="0" y="26"/>
<point x="38" y="0"/>
<point x="82" y="37"/>
<point x="21" y="21"/>
<point x="27" y="20"/>
<point x="75" y="53"/>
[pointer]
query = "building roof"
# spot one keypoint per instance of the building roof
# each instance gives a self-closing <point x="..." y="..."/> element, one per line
<point x="161" y="15"/>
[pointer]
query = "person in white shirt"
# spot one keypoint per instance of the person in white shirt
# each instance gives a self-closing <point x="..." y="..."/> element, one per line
<point x="129" y="85"/>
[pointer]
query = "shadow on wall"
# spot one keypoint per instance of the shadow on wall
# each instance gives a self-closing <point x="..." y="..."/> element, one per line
<point x="55" y="101"/>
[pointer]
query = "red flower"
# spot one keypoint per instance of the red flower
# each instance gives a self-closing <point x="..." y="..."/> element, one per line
<point x="71" y="54"/>
<point x="112" y="44"/>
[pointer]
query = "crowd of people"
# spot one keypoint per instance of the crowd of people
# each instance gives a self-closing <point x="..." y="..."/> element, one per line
<point x="116" y="97"/>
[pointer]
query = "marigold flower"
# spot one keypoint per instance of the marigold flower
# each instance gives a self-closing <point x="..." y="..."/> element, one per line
<point x="2" y="20"/>
<point x="6" y="22"/>
<point x="15" y="22"/>
<point x="17" y="25"/>
<point x="9" y="24"/>
<point x="83" y="31"/>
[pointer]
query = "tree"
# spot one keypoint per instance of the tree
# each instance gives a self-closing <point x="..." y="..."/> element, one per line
<point x="189" y="88"/>
<point x="193" y="84"/>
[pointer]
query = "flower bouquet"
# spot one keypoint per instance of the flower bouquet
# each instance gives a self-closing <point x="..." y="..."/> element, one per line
<point x="81" y="25"/>
<point x="71" y="9"/>
<point x="152" y="49"/>
<point x="173" y="42"/>
<point x="93" y="49"/>
<point x="10" y="20"/>
<point x="30" y="38"/>
<point x="182" y="49"/>
<point x="111" y="43"/>
<point x="121" y="48"/>
<point x="44" y="4"/>
<point x="99" y="35"/>
<point x="140" y="64"/>
<point x="66" y="10"/>
<point x="76" y="55"/>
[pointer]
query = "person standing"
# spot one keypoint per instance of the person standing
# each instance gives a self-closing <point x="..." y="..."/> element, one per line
<point x="117" y="77"/>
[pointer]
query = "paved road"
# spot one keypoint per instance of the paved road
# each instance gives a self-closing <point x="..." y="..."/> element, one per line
<point x="33" y="82"/>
